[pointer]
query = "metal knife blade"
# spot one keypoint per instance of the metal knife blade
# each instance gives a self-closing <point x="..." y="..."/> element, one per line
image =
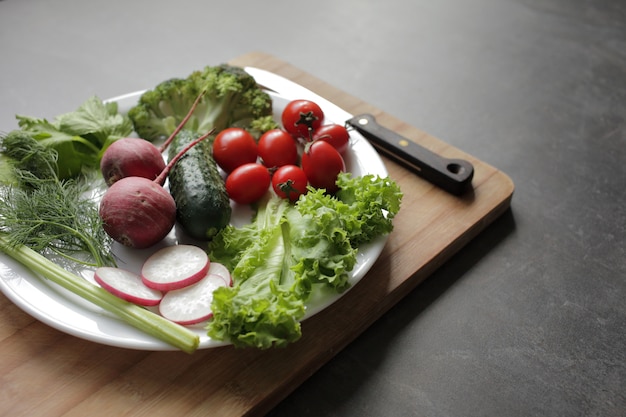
<point x="453" y="175"/>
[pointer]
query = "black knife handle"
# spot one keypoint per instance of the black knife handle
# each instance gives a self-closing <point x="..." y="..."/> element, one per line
<point x="452" y="175"/>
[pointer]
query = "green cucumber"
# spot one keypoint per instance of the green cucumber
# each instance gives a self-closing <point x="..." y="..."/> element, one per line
<point x="202" y="203"/>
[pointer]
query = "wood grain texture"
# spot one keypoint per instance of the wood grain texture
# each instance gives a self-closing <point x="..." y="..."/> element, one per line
<point x="44" y="372"/>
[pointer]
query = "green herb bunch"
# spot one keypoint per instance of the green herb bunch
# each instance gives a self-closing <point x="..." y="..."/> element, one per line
<point x="45" y="213"/>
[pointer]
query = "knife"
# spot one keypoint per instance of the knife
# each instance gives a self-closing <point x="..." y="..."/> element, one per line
<point x="452" y="175"/>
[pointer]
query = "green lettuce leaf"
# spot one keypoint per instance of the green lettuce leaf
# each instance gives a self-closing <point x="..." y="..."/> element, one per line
<point x="365" y="206"/>
<point x="265" y="305"/>
<point x="290" y="251"/>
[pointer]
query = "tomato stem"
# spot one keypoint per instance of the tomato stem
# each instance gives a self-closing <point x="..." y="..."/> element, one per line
<point x="288" y="188"/>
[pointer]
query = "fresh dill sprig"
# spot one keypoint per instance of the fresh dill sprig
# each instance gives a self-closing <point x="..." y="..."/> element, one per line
<point x="47" y="214"/>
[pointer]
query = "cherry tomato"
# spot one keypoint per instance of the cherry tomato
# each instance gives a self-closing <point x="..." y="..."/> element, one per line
<point x="301" y="117"/>
<point x="336" y="135"/>
<point x="277" y="148"/>
<point x="248" y="183"/>
<point x="234" y="147"/>
<point x="321" y="164"/>
<point x="289" y="181"/>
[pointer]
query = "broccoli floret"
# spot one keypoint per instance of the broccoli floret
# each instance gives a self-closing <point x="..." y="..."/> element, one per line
<point x="232" y="98"/>
<point x="160" y="110"/>
<point x="261" y="125"/>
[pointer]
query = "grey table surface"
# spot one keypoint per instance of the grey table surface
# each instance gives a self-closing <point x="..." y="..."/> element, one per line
<point x="529" y="319"/>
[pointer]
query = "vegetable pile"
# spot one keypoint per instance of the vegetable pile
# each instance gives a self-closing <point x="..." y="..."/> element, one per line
<point x="220" y="97"/>
<point x="248" y="285"/>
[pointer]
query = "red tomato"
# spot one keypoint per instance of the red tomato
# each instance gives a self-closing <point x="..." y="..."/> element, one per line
<point x="248" y="183"/>
<point x="289" y="181"/>
<point x="321" y="164"/>
<point x="234" y="147"/>
<point x="336" y="135"/>
<point x="301" y="117"/>
<point x="278" y="148"/>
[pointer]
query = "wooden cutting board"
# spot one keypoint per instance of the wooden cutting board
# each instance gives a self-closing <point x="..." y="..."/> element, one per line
<point x="46" y="372"/>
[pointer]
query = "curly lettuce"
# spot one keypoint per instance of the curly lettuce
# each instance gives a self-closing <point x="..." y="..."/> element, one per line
<point x="289" y="251"/>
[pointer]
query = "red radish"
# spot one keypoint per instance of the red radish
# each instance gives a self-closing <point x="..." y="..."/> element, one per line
<point x="219" y="269"/>
<point x="138" y="212"/>
<point x="135" y="157"/>
<point x="192" y="304"/>
<point x="175" y="267"/>
<point x="127" y="285"/>
<point x="131" y="157"/>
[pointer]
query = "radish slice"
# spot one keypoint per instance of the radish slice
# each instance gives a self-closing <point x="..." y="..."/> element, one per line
<point x="127" y="285"/>
<point x="192" y="304"/>
<point x="175" y="267"/>
<point x="219" y="269"/>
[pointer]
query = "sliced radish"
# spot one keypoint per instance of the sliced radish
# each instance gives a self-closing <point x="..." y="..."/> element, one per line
<point x="127" y="285"/>
<point x="175" y="267"/>
<point x="192" y="304"/>
<point x="219" y="269"/>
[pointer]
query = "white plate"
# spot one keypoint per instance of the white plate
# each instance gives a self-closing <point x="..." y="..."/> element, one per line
<point x="69" y="313"/>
